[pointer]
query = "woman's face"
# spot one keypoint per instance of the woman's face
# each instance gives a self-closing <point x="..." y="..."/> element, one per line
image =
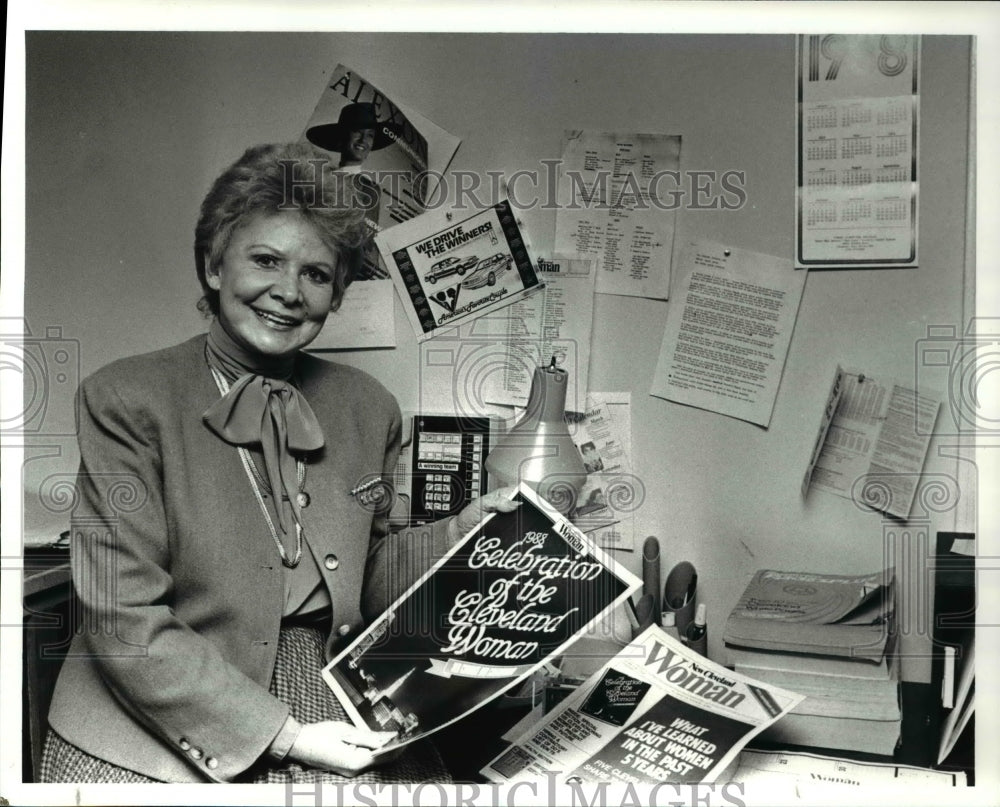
<point x="358" y="146"/>
<point x="275" y="284"/>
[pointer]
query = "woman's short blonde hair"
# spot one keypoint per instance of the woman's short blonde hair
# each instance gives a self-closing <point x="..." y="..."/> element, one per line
<point x="275" y="178"/>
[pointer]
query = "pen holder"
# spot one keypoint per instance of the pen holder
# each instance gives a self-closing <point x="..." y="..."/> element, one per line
<point x="644" y="614"/>
<point x="679" y="594"/>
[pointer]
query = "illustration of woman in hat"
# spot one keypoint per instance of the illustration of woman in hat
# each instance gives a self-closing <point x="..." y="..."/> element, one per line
<point x="355" y="135"/>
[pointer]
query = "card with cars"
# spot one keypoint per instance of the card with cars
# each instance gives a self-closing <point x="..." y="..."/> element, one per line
<point x="450" y="269"/>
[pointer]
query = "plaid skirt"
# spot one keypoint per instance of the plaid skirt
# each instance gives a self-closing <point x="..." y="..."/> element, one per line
<point x="297" y="682"/>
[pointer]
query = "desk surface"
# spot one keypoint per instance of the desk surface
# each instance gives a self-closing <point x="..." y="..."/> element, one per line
<point x="465" y="757"/>
<point x="465" y="751"/>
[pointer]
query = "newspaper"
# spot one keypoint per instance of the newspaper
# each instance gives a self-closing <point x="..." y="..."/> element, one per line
<point x="872" y="442"/>
<point x="656" y="712"/>
<point x="516" y="591"/>
<point x="396" y="170"/>
<point x="610" y="210"/>
<point x="450" y="270"/>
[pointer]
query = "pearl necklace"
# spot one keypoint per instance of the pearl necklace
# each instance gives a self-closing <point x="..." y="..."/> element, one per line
<point x="252" y="474"/>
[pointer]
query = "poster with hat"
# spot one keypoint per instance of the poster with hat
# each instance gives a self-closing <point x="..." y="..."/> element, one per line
<point x="394" y="156"/>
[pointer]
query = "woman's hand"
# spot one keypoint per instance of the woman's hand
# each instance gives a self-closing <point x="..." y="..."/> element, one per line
<point x="497" y="501"/>
<point x="339" y="747"/>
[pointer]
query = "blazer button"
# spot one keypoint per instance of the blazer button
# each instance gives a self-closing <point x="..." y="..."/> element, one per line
<point x="343" y="630"/>
<point x="211" y="763"/>
<point x="196" y="753"/>
<point x="331" y="562"/>
<point x="184" y="744"/>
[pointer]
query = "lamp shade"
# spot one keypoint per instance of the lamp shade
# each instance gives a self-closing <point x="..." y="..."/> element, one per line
<point x="538" y="450"/>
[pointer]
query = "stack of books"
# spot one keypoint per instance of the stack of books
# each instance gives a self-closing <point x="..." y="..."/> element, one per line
<point x="830" y="638"/>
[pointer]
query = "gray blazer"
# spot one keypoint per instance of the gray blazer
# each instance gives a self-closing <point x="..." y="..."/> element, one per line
<point x="179" y="580"/>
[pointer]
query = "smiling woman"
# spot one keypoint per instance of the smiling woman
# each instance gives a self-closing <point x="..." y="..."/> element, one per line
<point x="271" y="180"/>
<point x="275" y="283"/>
<point x="239" y="563"/>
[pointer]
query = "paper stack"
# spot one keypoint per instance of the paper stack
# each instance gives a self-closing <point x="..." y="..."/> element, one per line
<point x="829" y="638"/>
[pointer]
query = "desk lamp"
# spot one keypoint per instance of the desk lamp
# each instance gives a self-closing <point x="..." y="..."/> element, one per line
<point x="538" y="450"/>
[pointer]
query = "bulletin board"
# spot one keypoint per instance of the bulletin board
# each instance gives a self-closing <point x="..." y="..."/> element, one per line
<point x="126" y="130"/>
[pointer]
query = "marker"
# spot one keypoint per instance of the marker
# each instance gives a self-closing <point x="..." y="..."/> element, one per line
<point x="696" y="636"/>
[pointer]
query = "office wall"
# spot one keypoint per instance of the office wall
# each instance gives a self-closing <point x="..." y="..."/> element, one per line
<point x="125" y="131"/>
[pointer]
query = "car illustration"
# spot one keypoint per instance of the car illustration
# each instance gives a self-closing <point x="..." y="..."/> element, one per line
<point x="488" y="271"/>
<point x="450" y="266"/>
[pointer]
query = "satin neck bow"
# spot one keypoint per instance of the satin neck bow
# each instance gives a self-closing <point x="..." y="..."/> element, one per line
<point x="274" y="415"/>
